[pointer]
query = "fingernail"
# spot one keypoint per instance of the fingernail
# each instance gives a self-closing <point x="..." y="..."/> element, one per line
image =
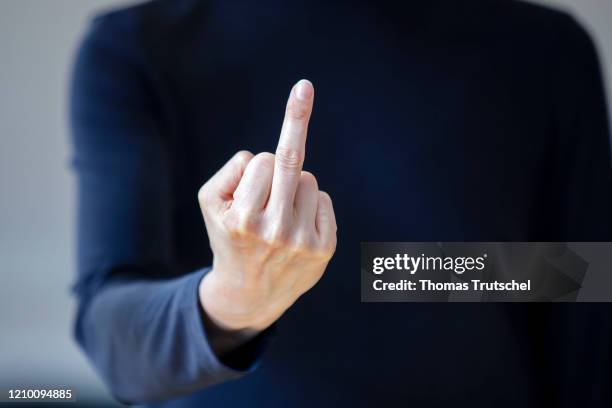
<point x="303" y="90"/>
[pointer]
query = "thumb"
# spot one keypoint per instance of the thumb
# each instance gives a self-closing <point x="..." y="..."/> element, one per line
<point x="220" y="188"/>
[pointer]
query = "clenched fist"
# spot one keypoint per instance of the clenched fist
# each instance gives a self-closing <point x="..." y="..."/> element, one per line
<point x="271" y="230"/>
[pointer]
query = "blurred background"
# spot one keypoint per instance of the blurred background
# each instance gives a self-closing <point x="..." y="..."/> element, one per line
<point x="37" y="43"/>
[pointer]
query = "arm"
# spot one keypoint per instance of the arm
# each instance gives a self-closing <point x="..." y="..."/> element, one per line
<point x="150" y="334"/>
<point x="142" y="329"/>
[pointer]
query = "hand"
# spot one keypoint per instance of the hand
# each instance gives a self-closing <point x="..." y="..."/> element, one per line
<point x="271" y="230"/>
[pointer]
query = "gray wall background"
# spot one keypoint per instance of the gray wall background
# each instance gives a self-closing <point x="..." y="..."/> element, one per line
<point x="37" y="42"/>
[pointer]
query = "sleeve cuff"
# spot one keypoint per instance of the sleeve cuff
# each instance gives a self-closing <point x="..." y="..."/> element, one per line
<point x="236" y="364"/>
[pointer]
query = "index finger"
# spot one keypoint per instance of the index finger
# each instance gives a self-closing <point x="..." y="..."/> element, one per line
<point x="291" y="145"/>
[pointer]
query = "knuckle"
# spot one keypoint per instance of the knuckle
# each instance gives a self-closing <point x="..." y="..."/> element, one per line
<point x="230" y="223"/>
<point x="277" y="235"/>
<point x="309" y="180"/>
<point x="324" y="196"/>
<point x="328" y="245"/>
<point x="243" y="156"/>
<point x="296" y="110"/>
<point x="331" y="248"/>
<point x="302" y="243"/>
<point x="327" y="251"/>
<point x="289" y="159"/>
<point x="245" y="221"/>
<point x="203" y="194"/>
<point x="265" y="160"/>
<point x="239" y="222"/>
<point x="318" y="255"/>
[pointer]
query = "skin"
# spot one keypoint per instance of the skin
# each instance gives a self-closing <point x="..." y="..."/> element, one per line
<point x="271" y="230"/>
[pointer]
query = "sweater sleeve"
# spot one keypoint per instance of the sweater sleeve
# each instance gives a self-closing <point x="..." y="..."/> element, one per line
<point x="584" y="173"/>
<point x="140" y="324"/>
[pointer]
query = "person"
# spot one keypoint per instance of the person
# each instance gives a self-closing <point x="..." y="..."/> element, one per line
<point x="432" y="121"/>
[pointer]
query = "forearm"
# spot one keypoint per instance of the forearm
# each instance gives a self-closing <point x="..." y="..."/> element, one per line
<point x="148" y="339"/>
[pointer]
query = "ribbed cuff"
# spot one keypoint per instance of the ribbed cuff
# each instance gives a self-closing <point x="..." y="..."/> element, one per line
<point x="245" y="359"/>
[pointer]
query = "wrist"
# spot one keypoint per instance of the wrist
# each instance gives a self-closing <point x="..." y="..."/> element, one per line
<point x="223" y="338"/>
<point x="223" y="306"/>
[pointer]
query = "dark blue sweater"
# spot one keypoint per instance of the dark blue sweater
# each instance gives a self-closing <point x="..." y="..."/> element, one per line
<point x="452" y="120"/>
